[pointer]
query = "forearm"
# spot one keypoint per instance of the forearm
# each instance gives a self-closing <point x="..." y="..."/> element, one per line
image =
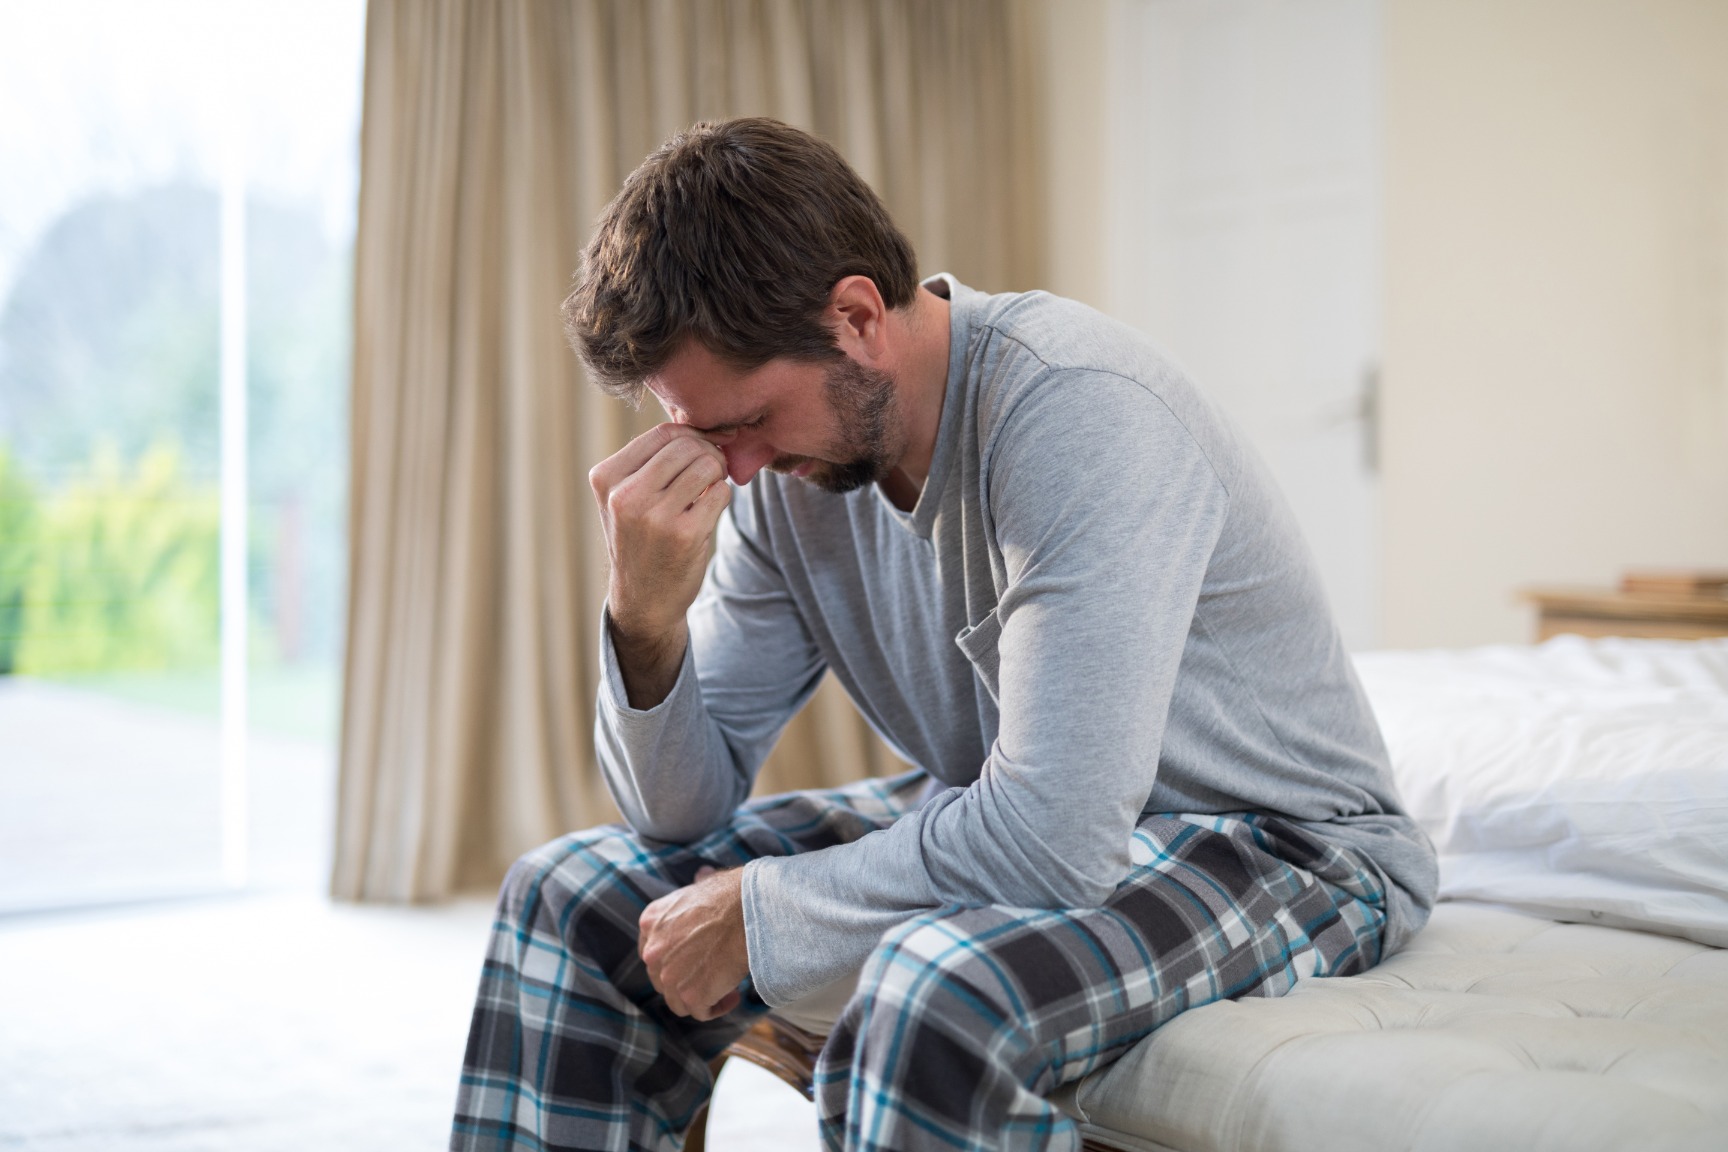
<point x="648" y="660"/>
<point x="813" y="918"/>
<point x="681" y="733"/>
<point x="668" y="767"/>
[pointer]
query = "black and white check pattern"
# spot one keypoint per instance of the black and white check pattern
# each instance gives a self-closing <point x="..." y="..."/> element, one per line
<point x="965" y="1017"/>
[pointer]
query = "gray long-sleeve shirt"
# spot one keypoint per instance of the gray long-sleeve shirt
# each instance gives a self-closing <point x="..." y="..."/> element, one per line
<point x="1100" y="606"/>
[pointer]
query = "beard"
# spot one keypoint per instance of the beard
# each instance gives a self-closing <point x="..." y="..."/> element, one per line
<point x="863" y="402"/>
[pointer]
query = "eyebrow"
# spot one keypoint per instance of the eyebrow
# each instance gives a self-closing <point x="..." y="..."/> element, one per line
<point x="730" y="425"/>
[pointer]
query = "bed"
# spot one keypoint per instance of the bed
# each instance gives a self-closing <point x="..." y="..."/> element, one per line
<point x="1571" y="990"/>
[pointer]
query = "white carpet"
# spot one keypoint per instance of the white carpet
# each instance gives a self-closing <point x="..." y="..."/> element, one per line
<point x="104" y="800"/>
<point x="267" y="1024"/>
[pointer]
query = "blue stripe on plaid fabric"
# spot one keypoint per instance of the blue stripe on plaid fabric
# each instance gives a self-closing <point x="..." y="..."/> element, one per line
<point x="965" y="1018"/>
<point x="570" y="1046"/>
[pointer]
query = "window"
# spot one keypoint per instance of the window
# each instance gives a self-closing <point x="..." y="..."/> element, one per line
<point x="175" y="253"/>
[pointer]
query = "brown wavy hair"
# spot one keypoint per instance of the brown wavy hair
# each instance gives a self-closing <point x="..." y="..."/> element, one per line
<point x="734" y="232"/>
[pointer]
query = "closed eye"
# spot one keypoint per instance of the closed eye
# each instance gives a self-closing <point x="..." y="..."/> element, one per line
<point x="736" y="426"/>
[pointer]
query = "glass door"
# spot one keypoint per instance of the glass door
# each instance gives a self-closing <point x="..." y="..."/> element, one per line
<point x="177" y="186"/>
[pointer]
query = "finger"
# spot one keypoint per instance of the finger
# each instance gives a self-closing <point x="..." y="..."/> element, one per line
<point x="675" y="999"/>
<point x="694" y="463"/>
<point x="667" y="988"/>
<point x="648" y="944"/>
<point x="712" y="503"/>
<point x="700" y="474"/>
<point x="720" y="1007"/>
<point x="660" y="469"/>
<point x="704" y="872"/>
<point x="628" y="460"/>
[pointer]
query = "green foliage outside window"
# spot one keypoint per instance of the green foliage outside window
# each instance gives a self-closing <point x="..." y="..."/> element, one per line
<point x="17" y="554"/>
<point x="118" y="569"/>
<point x="109" y="336"/>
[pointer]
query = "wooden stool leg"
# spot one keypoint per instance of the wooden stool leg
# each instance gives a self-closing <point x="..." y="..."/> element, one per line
<point x="696" y="1136"/>
<point x="790" y="1053"/>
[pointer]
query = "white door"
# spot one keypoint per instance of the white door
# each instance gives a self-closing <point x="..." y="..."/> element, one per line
<point x="1244" y="220"/>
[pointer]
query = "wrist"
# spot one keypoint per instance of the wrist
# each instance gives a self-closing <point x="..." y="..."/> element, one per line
<point x="649" y="661"/>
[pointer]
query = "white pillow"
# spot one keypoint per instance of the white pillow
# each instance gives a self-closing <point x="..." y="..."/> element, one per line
<point x="1581" y="780"/>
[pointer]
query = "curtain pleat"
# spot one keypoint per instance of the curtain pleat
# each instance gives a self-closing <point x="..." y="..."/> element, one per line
<point x="493" y="134"/>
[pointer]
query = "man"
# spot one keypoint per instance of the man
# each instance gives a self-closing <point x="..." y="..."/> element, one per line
<point x="1047" y="572"/>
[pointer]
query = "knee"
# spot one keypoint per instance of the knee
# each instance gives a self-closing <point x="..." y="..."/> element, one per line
<point x="544" y="880"/>
<point x="933" y="1010"/>
<point x="936" y="957"/>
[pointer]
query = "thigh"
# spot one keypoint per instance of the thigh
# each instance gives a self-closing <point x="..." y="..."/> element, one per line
<point x="1215" y="908"/>
<point x="564" y="996"/>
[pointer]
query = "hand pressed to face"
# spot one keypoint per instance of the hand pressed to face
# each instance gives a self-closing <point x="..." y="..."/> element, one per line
<point x="693" y="943"/>
<point x="660" y="497"/>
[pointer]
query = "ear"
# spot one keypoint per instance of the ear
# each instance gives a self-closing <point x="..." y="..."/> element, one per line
<point x="859" y="319"/>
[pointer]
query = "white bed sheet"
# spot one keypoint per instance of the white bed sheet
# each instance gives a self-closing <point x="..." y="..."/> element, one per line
<point x="1579" y="781"/>
<point x="1582" y="780"/>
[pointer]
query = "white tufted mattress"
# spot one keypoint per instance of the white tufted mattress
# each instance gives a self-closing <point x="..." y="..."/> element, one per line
<point x="1493" y="1030"/>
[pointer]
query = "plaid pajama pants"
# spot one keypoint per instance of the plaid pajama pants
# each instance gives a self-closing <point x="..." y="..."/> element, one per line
<point x="965" y="1017"/>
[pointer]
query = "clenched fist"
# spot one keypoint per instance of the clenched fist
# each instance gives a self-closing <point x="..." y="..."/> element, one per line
<point x="694" y="947"/>
<point x="660" y="497"/>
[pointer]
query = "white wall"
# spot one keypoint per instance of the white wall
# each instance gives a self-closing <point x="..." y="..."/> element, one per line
<point x="1556" y="371"/>
<point x="1222" y="195"/>
<point x="1555" y="382"/>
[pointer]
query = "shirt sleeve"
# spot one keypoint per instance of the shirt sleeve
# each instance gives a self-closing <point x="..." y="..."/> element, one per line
<point x="1106" y="512"/>
<point x="678" y="770"/>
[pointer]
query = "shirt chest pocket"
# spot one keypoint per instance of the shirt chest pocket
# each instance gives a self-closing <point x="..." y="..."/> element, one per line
<point x="979" y="643"/>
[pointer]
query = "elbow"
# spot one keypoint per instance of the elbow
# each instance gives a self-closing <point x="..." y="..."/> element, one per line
<point x="1096" y="893"/>
<point x="676" y="820"/>
<point x="1087" y="874"/>
<point x="1076" y="880"/>
<point x="671" y="817"/>
<point x="1084" y="892"/>
<point x="681" y="828"/>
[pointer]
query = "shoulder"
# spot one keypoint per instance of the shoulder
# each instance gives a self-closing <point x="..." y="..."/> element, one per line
<point x="1057" y="374"/>
<point x="1032" y="331"/>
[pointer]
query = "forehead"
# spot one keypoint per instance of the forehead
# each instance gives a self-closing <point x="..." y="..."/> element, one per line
<point x="694" y="378"/>
<point x="697" y="386"/>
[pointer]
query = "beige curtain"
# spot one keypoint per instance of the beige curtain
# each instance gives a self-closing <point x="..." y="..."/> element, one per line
<point x="493" y="134"/>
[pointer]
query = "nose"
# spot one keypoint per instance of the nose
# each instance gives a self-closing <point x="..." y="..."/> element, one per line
<point x="746" y="456"/>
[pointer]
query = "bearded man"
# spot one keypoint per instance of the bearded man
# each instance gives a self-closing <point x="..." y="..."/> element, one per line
<point x="1050" y="575"/>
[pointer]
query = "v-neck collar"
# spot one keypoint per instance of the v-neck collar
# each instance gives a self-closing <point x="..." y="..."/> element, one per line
<point x="922" y="519"/>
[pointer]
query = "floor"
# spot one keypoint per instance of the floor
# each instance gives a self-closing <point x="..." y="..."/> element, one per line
<point x="266" y="1024"/>
<point x="266" y="1021"/>
<point x="104" y="799"/>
